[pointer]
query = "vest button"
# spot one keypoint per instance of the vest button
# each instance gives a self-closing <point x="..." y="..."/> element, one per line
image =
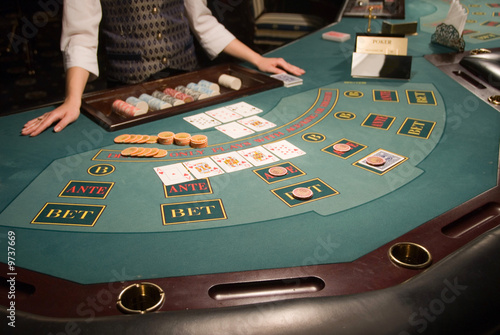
<point x="159" y="36"/>
<point x="154" y="10"/>
<point x="164" y="60"/>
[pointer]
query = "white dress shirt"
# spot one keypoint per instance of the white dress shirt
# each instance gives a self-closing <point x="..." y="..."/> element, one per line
<point x="80" y="32"/>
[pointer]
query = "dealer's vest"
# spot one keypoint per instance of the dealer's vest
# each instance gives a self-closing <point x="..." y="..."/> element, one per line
<point x="144" y="37"/>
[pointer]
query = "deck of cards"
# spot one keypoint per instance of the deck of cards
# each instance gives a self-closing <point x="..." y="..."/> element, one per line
<point x="287" y="79"/>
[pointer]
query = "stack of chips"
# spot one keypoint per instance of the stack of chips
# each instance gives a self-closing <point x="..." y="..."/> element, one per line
<point x="126" y="109"/>
<point x="199" y="141"/>
<point x="154" y="104"/>
<point x="182" y="139"/>
<point x="167" y="98"/>
<point x="166" y="137"/>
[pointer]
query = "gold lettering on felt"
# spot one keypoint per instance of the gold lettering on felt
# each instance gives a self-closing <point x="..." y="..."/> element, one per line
<point x="68" y="214"/>
<point x="191" y="211"/>
<point x="416" y="128"/>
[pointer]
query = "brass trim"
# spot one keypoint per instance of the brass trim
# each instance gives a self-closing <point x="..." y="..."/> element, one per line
<point x="410" y="255"/>
<point x="140" y="298"/>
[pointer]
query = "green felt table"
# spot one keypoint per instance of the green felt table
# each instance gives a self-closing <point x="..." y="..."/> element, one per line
<point x="440" y="194"/>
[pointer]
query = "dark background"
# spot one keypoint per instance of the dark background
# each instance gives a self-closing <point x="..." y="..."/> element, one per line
<point x="31" y="70"/>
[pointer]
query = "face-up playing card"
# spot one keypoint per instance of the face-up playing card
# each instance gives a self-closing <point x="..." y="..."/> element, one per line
<point x="234" y="129"/>
<point x="256" y="123"/>
<point x="390" y="158"/>
<point x="223" y="114"/>
<point x="258" y="156"/>
<point x="202" y="121"/>
<point x="173" y="174"/>
<point x="203" y="168"/>
<point x="231" y="161"/>
<point x="244" y="109"/>
<point x="284" y="149"/>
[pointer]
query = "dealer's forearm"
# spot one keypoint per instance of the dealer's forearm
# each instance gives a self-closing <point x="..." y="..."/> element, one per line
<point x="76" y="79"/>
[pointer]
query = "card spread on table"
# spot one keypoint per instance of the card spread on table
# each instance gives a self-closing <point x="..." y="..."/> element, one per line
<point x="287" y="79"/>
<point x="256" y="123"/>
<point x="202" y="121"/>
<point x="223" y="114"/>
<point x="234" y="129"/>
<point x="284" y="149"/>
<point x="203" y="168"/>
<point x="173" y="174"/>
<point x="231" y="161"/>
<point x="244" y="109"/>
<point x="258" y="156"/>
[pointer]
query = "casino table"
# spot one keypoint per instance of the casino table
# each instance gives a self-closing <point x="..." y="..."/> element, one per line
<point x="93" y="242"/>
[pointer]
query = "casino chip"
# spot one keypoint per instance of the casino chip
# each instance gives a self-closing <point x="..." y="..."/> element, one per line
<point x="375" y="161"/>
<point x="121" y="138"/>
<point x="277" y="171"/>
<point x="302" y="193"/>
<point x="161" y="153"/>
<point x="138" y="152"/>
<point x="129" y="151"/>
<point x="198" y="141"/>
<point x="342" y="147"/>
<point x="166" y="137"/>
<point x="152" y="139"/>
<point x="182" y="138"/>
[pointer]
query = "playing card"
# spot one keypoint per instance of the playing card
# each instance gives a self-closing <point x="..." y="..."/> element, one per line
<point x="234" y="129"/>
<point x="202" y="121"/>
<point x="203" y="168"/>
<point x="258" y="156"/>
<point x="173" y="174"/>
<point x="231" y="161"/>
<point x="256" y="123"/>
<point x="287" y="79"/>
<point x="223" y="114"/>
<point x="284" y="149"/>
<point x="244" y="109"/>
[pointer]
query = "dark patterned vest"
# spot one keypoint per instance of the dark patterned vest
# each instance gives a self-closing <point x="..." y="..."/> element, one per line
<point x="144" y="37"/>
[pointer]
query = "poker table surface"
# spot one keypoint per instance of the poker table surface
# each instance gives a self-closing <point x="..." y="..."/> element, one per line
<point x="235" y="253"/>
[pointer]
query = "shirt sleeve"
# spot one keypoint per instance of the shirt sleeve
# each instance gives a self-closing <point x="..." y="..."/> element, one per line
<point x="80" y="34"/>
<point x="212" y="35"/>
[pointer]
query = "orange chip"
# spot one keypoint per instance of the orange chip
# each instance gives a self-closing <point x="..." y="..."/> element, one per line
<point x="131" y="139"/>
<point x="198" y="146"/>
<point x="143" y="139"/>
<point x="145" y="152"/>
<point x="182" y="138"/>
<point x="166" y="137"/>
<point x="129" y="151"/>
<point x="136" y="139"/>
<point x="152" y="139"/>
<point x="121" y="138"/>
<point x="161" y="153"/>
<point x="138" y="152"/>
<point x="152" y="152"/>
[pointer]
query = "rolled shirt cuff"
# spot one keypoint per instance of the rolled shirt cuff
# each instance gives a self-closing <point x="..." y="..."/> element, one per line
<point x="81" y="57"/>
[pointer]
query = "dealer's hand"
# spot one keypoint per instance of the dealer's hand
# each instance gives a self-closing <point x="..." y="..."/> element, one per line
<point x="76" y="78"/>
<point x="63" y="115"/>
<point x="278" y="65"/>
